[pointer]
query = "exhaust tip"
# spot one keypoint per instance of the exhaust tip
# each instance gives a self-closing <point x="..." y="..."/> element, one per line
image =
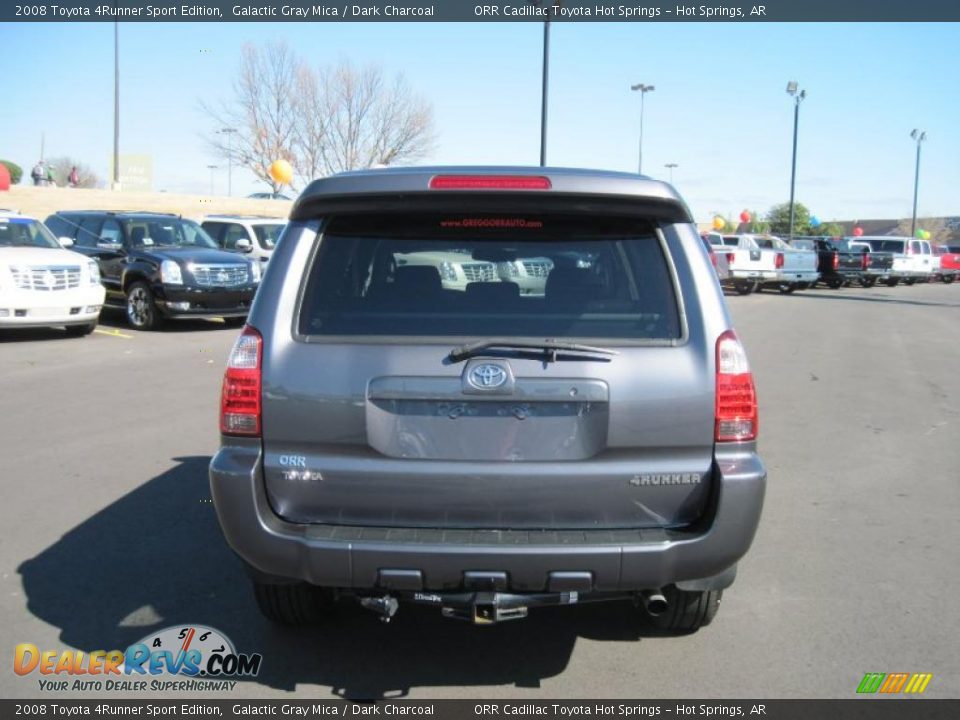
<point x="654" y="602"/>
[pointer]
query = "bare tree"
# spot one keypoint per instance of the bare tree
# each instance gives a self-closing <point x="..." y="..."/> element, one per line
<point x="62" y="166"/>
<point x="322" y="120"/>
<point x="263" y="112"/>
<point x="364" y="120"/>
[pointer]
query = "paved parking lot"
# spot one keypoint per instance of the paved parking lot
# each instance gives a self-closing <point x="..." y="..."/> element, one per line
<point x="109" y="533"/>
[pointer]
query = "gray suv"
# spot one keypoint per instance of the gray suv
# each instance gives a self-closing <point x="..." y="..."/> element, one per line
<point x="401" y="423"/>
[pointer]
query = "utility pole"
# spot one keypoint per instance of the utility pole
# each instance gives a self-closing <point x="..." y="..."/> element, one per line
<point x="116" y="105"/>
<point x="919" y="136"/>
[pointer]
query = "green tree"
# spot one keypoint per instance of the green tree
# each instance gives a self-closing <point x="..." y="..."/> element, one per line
<point x="757" y="224"/>
<point x="16" y="172"/>
<point x="779" y="218"/>
<point x="830" y="230"/>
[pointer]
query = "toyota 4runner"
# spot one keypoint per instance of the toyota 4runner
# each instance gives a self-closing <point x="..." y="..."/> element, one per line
<point x="391" y="433"/>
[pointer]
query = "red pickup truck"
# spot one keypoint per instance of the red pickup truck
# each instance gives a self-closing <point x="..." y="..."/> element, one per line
<point x="949" y="268"/>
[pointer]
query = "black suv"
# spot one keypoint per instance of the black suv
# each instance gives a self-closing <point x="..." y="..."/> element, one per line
<point x="160" y="266"/>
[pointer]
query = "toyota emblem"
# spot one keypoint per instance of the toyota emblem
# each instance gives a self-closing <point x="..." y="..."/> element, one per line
<point x="487" y="376"/>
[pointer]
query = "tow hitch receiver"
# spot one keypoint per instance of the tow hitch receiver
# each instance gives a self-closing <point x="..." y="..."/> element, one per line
<point x="486" y="608"/>
<point x="482" y="608"/>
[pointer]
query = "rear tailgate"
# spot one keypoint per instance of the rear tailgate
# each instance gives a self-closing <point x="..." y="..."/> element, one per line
<point x="367" y="420"/>
<point x="799" y="260"/>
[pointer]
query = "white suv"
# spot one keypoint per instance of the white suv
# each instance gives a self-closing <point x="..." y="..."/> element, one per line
<point x="41" y="283"/>
<point x="251" y="234"/>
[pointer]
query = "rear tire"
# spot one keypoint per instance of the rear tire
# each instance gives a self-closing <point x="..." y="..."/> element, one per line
<point x="686" y="612"/>
<point x="868" y="282"/>
<point x="80" y="330"/>
<point x="234" y="322"/>
<point x="910" y="281"/>
<point x="294" y="604"/>
<point x="744" y="288"/>
<point x="835" y="284"/>
<point x="892" y="282"/>
<point x="947" y="279"/>
<point x="786" y="288"/>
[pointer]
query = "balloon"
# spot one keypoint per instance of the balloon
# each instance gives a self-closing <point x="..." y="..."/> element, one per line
<point x="4" y="177"/>
<point x="926" y="235"/>
<point x="814" y="221"/>
<point x="719" y="223"/>
<point x="857" y="232"/>
<point x="282" y="172"/>
<point x="919" y="233"/>
<point x="745" y="216"/>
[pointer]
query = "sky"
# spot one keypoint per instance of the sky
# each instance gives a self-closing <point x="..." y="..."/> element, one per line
<point x="719" y="110"/>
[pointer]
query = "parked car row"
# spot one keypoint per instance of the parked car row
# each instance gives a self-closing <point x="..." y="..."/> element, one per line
<point x="154" y="266"/>
<point x="751" y="262"/>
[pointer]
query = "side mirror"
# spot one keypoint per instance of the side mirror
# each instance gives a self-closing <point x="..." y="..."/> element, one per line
<point x="65" y="242"/>
<point x="244" y="245"/>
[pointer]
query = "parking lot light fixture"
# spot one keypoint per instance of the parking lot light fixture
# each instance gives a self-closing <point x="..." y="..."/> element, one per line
<point x="229" y="132"/>
<point x="670" y="167"/>
<point x="211" y="168"/>
<point x="919" y="136"/>
<point x="643" y="90"/>
<point x="798" y="97"/>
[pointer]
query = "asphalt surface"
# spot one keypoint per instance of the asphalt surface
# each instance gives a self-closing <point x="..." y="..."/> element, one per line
<point x="108" y="532"/>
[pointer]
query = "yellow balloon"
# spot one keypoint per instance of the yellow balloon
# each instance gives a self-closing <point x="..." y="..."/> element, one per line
<point x="282" y="172"/>
<point x="719" y="223"/>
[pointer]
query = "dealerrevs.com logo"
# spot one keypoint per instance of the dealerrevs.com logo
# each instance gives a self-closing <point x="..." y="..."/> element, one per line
<point x="192" y="657"/>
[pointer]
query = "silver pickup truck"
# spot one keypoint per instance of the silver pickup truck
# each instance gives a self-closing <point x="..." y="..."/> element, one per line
<point x="400" y="422"/>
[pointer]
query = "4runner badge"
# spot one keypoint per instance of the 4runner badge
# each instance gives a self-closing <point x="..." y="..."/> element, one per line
<point x="644" y="480"/>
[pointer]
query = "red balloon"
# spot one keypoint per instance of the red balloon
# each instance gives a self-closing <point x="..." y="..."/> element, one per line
<point x="745" y="216"/>
<point x="857" y="232"/>
<point x="4" y="178"/>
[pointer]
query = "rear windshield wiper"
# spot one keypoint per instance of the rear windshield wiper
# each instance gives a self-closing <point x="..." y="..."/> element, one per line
<point x="549" y="348"/>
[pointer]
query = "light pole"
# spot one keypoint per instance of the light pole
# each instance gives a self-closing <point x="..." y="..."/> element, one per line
<point x="670" y="167"/>
<point x="919" y="136"/>
<point x="644" y="89"/>
<point x="229" y="131"/>
<point x="798" y="98"/>
<point x="116" y="105"/>
<point x="211" y="168"/>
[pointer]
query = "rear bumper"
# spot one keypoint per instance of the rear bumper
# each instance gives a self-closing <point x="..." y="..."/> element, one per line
<point x="528" y="561"/>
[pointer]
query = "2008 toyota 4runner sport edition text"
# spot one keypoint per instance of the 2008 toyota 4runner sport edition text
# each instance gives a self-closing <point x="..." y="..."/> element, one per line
<point x="489" y="390"/>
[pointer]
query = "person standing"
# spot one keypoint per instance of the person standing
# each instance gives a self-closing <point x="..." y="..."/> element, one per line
<point x="38" y="173"/>
<point x="74" y="178"/>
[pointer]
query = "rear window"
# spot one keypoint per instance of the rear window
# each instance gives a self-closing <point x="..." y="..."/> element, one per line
<point x="890" y="246"/>
<point x="540" y="277"/>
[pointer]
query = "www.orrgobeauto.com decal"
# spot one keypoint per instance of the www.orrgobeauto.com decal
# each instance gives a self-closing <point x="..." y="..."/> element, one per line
<point x="192" y="657"/>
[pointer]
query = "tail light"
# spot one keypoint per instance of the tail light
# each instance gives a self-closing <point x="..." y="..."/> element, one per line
<point x="736" y="408"/>
<point x="865" y="261"/>
<point x="713" y="258"/>
<point x="240" y="397"/>
<point x="778" y="263"/>
<point x="730" y="257"/>
<point x="836" y="261"/>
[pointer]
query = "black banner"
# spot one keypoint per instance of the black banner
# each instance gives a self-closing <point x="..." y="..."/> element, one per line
<point x="484" y="10"/>
<point x="861" y="709"/>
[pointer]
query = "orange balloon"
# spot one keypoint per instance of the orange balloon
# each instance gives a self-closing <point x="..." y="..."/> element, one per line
<point x="719" y="223"/>
<point x="282" y="172"/>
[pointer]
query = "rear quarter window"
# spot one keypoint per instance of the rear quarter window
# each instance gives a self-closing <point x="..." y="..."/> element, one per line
<point x="465" y="276"/>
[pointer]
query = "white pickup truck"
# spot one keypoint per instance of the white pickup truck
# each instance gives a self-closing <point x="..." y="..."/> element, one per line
<point x="758" y="261"/>
<point x="913" y="260"/>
